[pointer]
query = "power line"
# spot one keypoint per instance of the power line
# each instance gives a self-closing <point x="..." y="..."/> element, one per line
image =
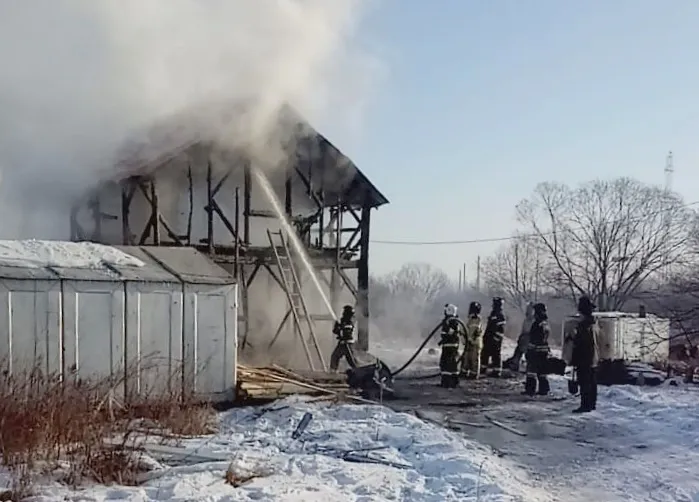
<point x="510" y="237"/>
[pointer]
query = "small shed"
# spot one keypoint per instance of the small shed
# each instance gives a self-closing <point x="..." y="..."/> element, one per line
<point x="153" y="320"/>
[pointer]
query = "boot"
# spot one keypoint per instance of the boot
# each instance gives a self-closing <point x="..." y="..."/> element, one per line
<point x="544" y="387"/>
<point x="529" y="386"/>
<point x="444" y="381"/>
<point x="585" y="406"/>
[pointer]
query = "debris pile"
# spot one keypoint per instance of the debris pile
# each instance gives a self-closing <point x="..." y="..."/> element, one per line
<point x="275" y="382"/>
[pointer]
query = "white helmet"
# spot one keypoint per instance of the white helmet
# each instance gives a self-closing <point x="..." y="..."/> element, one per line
<point x="450" y="310"/>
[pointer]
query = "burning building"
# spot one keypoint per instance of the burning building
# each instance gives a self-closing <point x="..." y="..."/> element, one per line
<point x="274" y="203"/>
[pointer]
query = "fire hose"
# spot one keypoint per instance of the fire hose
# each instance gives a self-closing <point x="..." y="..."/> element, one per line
<point x="422" y="346"/>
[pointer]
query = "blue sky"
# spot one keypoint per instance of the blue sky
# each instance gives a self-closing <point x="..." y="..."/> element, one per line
<point x="484" y="99"/>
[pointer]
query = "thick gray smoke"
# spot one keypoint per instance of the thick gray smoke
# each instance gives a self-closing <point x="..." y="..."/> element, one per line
<point x="77" y="77"/>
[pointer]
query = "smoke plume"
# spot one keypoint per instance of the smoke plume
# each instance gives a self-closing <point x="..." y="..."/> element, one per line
<point x="78" y="77"/>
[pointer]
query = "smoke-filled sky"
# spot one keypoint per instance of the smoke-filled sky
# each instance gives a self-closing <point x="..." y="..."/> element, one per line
<point x="454" y="109"/>
<point x="78" y="76"/>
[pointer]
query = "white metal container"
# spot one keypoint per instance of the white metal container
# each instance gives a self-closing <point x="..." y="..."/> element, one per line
<point x="624" y="336"/>
<point x="167" y="326"/>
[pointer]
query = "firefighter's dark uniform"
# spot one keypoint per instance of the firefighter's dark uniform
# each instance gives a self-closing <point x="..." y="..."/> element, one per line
<point x="449" y="359"/>
<point x="537" y="354"/>
<point x="522" y="341"/>
<point x="584" y="357"/>
<point x="344" y="332"/>
<point x="491" y="356"/>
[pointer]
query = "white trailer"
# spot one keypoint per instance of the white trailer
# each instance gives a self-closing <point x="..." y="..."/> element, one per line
<point x="624" y="336"/>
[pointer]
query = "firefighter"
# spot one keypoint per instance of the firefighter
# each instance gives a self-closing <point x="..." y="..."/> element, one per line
<point x="537" y="353"/>
<point x="473" y="343"/>
<point x="491" y="356"/>
<point x="344" y="332"/>
<point x="522" y="340"/>
<point x="449" y="342"/>
<point x="585" y="357"/>
<point x="691" y="355"/>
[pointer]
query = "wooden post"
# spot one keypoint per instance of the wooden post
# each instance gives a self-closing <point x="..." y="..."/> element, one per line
<point x="363" y="280"/>
<point x="96" y="207"/>
<point x="156" y="213"/>
<point x="125" y="210"/>
<point x="247" y="194"/>
<point x="236" y="273"/>
<point x="287" y="194"/>
<point x="209" y="208"/>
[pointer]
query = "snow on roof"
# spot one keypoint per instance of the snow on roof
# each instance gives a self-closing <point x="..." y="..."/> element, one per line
<point x="59" y="254"/>
<point x="615" y="315"/>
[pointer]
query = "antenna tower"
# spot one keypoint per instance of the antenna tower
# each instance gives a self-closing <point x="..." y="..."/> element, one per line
<point x="669" y="170"/>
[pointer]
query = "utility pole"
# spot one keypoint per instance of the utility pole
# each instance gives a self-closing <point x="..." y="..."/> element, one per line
<point x="463" y="274"/>
<point x="537" y="277"/>
<point x="478" y="274"/>
<point x="460" y="280"/>
<point x="517" y="290"/>
<point x="669" y="171"/>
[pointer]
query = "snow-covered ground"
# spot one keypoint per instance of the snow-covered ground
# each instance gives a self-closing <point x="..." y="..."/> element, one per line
<point x="407" y="460"/>
<point x="640" y="445"/>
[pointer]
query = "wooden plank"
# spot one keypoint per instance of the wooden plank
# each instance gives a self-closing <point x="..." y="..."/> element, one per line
<point x="505" y="426"/>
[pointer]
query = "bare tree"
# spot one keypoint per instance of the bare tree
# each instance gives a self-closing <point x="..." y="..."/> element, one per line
<point x="404" y="301"/>
<point x="515" y="271"/>
<point x="420" y="282"/>
<point x="607" y="238"/>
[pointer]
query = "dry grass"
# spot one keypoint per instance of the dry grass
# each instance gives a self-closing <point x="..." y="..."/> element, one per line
<point x="49" y="426"/>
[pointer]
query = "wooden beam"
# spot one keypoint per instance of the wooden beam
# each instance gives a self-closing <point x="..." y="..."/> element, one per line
<point x="155" y="205"/>
<point x="287" y="194"/>
<point x="363" y="280"/>
<point x="127" y="192"/>
<point x="209" y="208"/>
<point x="190" y="214"/>
<point x="247" y="194"/>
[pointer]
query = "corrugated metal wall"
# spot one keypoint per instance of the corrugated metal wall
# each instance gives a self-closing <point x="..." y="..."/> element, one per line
<point x="150" y="329"/>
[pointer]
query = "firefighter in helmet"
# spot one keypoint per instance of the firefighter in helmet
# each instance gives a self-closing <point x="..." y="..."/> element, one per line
<point x="491" y="356"/>
<point x="344" y="332"/>
<point x="471" y="358"/>
<point x="449" y="343"/>
<point x="523" y="339"/>
<point x="537" y="353"/>
<point x="585" y="356"/>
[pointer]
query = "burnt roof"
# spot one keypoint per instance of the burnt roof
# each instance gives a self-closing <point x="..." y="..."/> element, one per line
<point x="329" y="171"/>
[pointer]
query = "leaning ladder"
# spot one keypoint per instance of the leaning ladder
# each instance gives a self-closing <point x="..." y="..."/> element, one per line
<point x="292" y="288"/>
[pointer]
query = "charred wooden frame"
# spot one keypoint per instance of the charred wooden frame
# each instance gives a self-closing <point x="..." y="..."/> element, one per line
<point x="336" y="234"/>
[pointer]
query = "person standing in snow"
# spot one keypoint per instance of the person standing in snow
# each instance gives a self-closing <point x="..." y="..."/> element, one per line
<point x="491" y="356"/>
<point x="471" y="358"/>
<point x="537" y="353"/>
<point x="523" y="339"/>
<point x="691" y="354"/>
<point x="585" y="357"/>
<point x="449" y="343"/>
<point x="344" y="332"/>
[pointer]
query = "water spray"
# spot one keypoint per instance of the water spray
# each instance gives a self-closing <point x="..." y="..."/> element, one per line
<point x="296" y="243"/>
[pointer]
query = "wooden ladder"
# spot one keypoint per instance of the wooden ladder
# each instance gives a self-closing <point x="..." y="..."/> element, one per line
<point x="292" y="288"/>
